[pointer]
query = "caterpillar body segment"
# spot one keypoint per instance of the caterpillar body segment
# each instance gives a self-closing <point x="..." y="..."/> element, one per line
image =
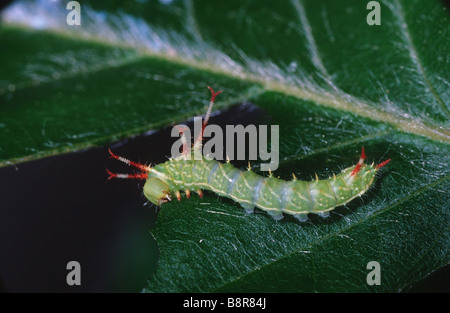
<point x="275" y="196"/>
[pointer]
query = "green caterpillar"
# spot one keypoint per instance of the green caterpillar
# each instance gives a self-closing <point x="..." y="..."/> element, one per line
<point x="273" y="195"/>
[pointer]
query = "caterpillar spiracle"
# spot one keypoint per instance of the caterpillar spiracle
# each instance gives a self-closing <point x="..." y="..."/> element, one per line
<point x="273" y="195"/>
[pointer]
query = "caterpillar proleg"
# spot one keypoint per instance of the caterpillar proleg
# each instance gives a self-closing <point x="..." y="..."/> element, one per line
<point x="270" y="194"/>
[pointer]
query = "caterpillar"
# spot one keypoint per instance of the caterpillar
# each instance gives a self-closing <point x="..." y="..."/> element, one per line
<point x="270" y="194"/>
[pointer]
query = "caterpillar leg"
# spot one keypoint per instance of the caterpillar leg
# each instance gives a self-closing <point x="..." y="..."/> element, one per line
<point x="276" y="215"/>
<point x="302" y="217"/>
<point x="249" y="208"/>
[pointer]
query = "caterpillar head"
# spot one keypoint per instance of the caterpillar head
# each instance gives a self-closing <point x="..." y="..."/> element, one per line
<point x="156" y="191"/>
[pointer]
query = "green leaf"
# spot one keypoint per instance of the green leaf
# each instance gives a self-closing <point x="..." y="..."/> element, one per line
<point x="332" y="83"/>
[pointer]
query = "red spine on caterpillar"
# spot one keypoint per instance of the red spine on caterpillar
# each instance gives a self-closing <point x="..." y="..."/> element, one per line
<point x="360" y="163"/>
<point x="127" y="176"/>
<point x="142" y="167"/>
